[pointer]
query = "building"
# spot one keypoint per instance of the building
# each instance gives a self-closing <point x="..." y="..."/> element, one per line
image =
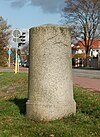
<point x="78" y="48"/>
<point x="78" y="51"/>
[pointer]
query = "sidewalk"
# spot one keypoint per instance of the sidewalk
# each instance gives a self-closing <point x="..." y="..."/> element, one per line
<point x="23" y="69"/>
<point x="12" y="69"/>
<point x="88" y="83"/>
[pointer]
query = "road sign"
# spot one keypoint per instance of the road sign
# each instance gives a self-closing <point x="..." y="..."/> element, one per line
<point x="17" y="39"/>
<point x="16" y="33"/>
<point x="9" y="52"/>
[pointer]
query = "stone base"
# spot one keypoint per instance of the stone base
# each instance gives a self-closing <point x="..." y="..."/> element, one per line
<point x="49" y="112"/>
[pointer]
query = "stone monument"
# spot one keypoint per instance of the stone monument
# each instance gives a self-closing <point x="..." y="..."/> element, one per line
<point x="50" y="94"/>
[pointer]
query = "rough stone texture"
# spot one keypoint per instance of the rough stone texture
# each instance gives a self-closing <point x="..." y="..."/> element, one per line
<point x="50" y="73"/>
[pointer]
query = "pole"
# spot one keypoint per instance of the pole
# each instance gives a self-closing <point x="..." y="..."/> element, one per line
<point x="16" y="34"/>
<point x="16" y="63"/>
<point x="9" y="59"/>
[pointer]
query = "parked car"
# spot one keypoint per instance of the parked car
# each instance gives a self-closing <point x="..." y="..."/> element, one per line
<point x="25" y="63"/>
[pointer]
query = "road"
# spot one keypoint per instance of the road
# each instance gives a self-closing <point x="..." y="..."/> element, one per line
<point x="76" y="72"/>
<point x="89" y="79"/>
<point x="87" y="73"/>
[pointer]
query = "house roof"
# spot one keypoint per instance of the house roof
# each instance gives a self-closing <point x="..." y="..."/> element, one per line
<point x="80" y="44"/>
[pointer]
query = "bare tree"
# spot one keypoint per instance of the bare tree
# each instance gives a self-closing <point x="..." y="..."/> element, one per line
<point x="84" y="18"/>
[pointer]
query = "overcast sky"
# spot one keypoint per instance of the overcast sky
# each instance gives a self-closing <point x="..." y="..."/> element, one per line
<point x="29" y="13"/>
<point x="47" y="6"/>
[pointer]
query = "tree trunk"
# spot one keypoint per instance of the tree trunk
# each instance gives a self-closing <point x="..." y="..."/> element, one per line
<point x="88" y="60"/>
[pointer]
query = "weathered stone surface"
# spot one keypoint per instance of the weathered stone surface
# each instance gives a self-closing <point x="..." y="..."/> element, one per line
<point x="50" y="73"/>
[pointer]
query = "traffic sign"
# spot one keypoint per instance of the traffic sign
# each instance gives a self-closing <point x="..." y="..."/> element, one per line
<point x="16" y="33"/>
<point x="17" y="39"/>
<point x="9" y="52"/>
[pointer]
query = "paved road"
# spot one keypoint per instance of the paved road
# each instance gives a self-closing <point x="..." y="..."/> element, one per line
<point x="87" y="73"/>
<point x="89" y="79"/>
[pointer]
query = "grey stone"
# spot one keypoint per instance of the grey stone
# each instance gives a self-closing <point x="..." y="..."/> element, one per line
<point x="50" y="73"/>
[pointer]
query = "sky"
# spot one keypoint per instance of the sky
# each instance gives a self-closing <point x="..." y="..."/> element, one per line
<point x="24" y="14"/>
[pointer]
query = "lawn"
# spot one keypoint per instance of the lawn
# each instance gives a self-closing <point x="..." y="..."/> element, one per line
<point x="13" y="122"/>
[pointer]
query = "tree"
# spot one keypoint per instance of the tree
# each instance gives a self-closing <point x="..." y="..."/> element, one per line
<point x="4" y="38"/>
<point x="84" y="18"/>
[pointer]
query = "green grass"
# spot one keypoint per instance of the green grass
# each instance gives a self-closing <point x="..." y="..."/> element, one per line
<point x="13" y="122"/>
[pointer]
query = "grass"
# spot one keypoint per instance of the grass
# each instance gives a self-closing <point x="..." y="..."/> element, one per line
<point x="13" y="122"/>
